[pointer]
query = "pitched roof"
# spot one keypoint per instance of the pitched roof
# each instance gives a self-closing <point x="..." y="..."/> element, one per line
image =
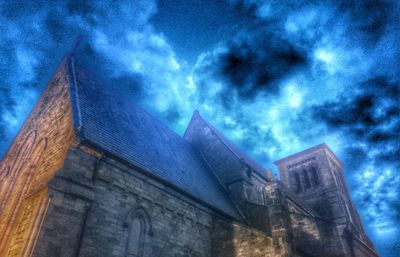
<point x="110" y="120"/>
<point x="233" y="147"/>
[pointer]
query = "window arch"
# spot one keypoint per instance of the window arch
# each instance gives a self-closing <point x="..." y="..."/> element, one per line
<point x="138" y="230"/>
<point x="314" y="174"/>
<point x="306" y="178"/>
<point x="298" y="182"/>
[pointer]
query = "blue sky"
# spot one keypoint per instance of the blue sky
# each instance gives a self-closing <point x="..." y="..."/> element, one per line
<point x="275" y="76"/>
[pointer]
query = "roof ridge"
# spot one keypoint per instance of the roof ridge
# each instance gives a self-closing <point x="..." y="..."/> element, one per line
<point x="194" y="115"/>
<point x="220" y="136"/>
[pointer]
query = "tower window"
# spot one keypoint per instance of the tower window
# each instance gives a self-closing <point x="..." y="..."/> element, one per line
<point x="307" y="179"/>
<point x="298" y="182"/>
<point x="315" y="176"/>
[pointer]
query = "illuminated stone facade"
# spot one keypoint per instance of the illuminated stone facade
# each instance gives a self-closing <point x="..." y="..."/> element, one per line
<point x="90" y="174"/>
<point x="36" y="154"/>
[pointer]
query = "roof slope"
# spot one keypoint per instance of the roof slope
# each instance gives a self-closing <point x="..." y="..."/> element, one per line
<point x="231" y="146"/>
<point x="111" y="121"/>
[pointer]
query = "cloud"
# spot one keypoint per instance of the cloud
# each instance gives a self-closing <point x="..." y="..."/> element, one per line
<point x="371" y="110"/>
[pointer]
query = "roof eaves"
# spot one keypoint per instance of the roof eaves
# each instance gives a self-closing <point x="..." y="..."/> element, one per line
<point x="146" y="172"/>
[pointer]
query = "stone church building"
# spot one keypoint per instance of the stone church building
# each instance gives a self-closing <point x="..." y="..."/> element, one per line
<point x="91" y="174"/>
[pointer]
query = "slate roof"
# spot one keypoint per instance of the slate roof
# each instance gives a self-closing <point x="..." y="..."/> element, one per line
<point x="113" y="122"/>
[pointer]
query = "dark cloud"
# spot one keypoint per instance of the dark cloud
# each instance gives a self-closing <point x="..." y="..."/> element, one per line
<point x="369" y="111"/>
<point x="368" y="19"/>
<point x="369" y="115"/>
<point x="257" y="63"/>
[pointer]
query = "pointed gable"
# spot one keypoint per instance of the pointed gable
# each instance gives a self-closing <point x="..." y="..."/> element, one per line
<point x="196" y="133"/>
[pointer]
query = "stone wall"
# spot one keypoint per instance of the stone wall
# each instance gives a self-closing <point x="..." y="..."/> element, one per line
<point x="37" y="152"/>
<point x="279" y="218"/>
<point x="308" y="232"/>
<point x="304" y="225"/>
<point x="230" y="239"/>
<point x="105" y="198"/>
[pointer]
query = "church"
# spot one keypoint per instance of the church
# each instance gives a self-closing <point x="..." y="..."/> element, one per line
<point x="91" y="174"/>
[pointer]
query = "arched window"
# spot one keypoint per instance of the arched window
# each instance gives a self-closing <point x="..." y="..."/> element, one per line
<point x="135" y="239"/>
<point x="298" y="182"/>
<point x="315" y="176"/>
<point x="306" y="178"/>
<point x="139" y="229"/>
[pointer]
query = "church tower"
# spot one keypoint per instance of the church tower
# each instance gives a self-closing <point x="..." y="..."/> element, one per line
<point x="316" y="176"/>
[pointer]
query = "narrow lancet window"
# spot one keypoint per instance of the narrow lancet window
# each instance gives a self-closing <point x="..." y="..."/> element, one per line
<point x="307" y="179"/>
<point x="139" y="229"/>
<point x="298" y="182"/>
<point x="315" y="176"/>
<point x="135" y="239"/>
